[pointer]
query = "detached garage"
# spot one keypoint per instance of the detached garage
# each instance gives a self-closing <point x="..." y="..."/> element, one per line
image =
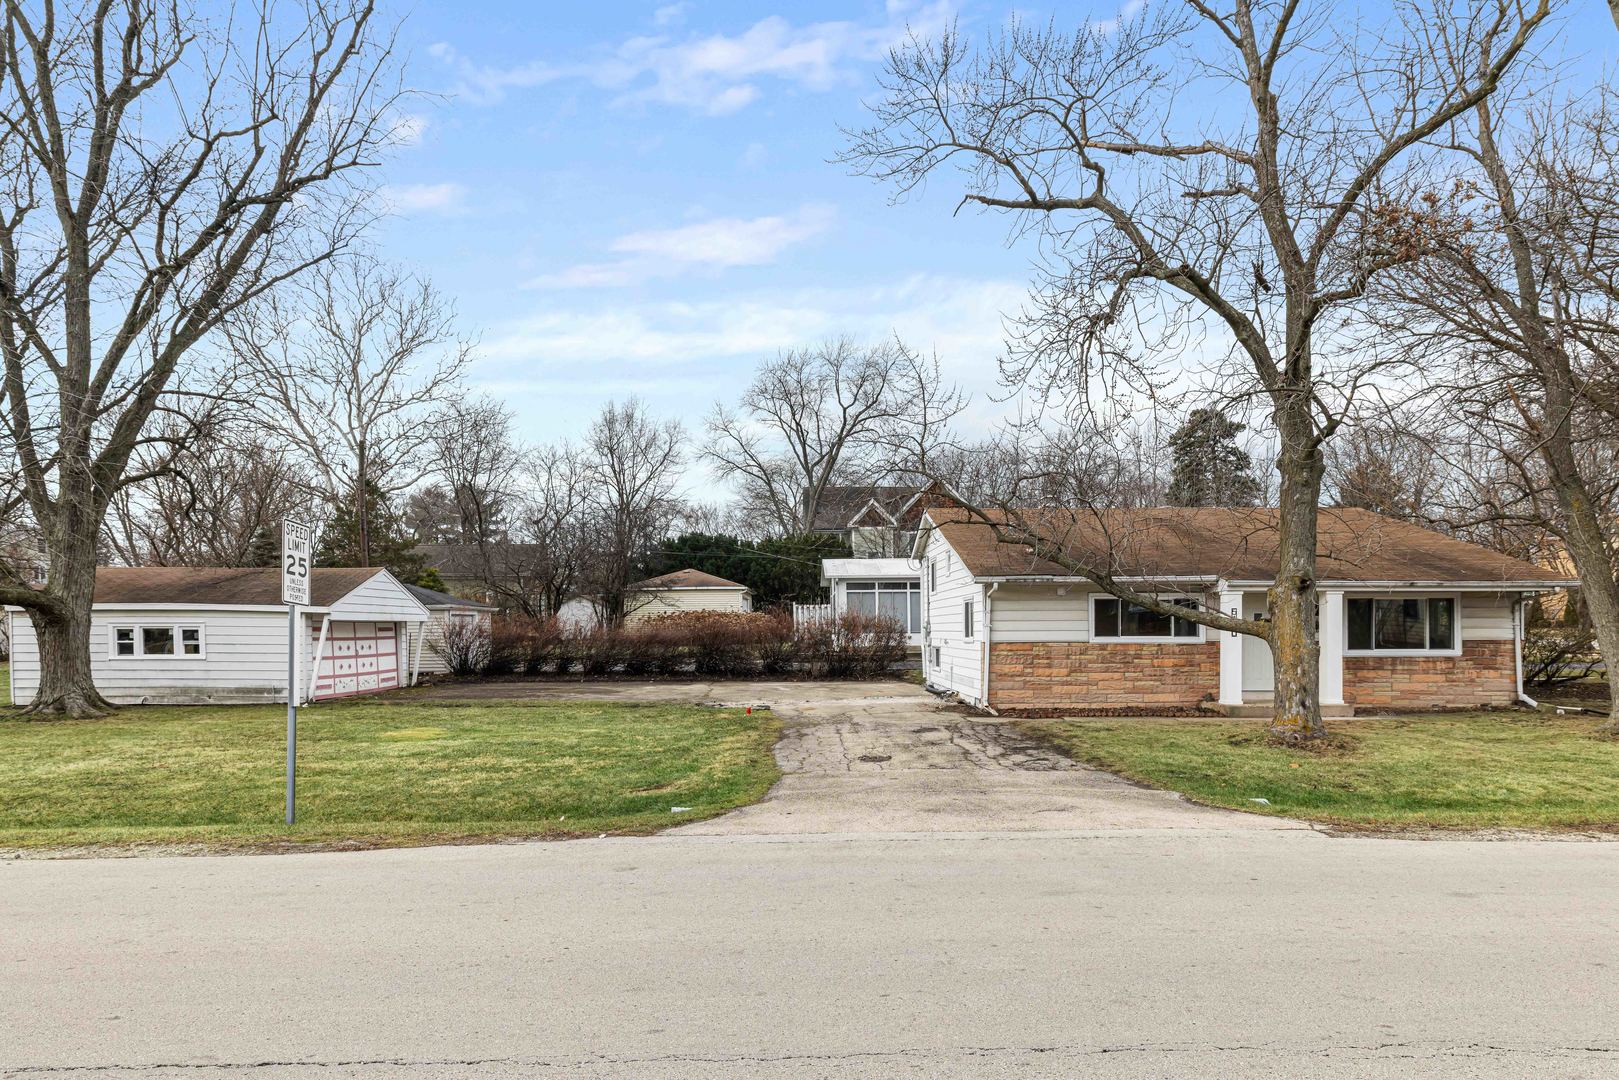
<point x="195" y="635"/>
<point x="685" y="590"/>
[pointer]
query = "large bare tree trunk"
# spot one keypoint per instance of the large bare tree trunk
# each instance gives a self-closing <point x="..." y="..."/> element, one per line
<point x="1294" y="637"/>
<point x="1582" y="525"/>
<point x="1593" y="563"/>
<point x="66" y="686"/>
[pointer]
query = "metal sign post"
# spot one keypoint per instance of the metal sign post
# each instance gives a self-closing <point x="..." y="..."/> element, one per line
<point x="296" y="542"/>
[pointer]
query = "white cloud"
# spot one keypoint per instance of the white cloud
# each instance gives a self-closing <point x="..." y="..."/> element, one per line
<point x="409" y="128"/>
<point x="755" y="155"/>
<point x="485" y="85"/>
<point x="714" y="244"/>
<point x="713" y="73"/>
<point x="670" y="14"/>
<point x="729" y="241"/>
<point x="1127" y="11"/>
<point x="963" y="319"/>
<point x="447" y="198"/>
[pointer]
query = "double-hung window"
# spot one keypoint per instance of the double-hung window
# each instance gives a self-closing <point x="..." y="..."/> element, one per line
<point x="156" y="640"/>
<point x="1113" y="619"/>
<point x="1401" y="624"/>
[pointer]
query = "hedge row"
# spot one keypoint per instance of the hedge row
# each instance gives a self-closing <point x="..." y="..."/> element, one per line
<point x="705" y="643"/>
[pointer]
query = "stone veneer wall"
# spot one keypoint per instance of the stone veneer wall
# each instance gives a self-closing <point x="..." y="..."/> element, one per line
<point x="1483" y="675"/>
<point x="1054" y="675"/>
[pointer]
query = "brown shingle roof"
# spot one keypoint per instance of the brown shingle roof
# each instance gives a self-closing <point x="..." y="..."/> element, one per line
<point x="687" y="579"/>
<point x="1237" y="545"/>
<point x="210" y="585"/>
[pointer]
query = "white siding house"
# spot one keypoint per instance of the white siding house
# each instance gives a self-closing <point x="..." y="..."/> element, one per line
<point x="954" y="647"/>
<point x="192" y="635"/>
<point x="1409" y="618"/>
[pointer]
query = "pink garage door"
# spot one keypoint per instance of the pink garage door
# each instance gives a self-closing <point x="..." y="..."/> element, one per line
<point x="361" y="658"/>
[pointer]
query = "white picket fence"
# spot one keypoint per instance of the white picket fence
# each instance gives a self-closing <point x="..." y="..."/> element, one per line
<point x="805" y="614"/>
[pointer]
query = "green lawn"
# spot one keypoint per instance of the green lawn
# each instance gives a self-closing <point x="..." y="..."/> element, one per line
<point x="1472" y="770"/>
<point x="376" y="771"/>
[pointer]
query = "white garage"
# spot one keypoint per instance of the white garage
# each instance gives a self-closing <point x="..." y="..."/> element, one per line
<point x="204" y="635"/>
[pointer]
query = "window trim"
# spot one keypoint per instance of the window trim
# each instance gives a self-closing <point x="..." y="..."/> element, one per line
<point x="1456" y="627"/>
<point x="969" y="621"/>
<point x="178" y="629"/>
<point x="1165" y="639"/>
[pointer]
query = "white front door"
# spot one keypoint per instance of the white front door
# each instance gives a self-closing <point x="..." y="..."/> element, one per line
<point x="1258" y="674"/>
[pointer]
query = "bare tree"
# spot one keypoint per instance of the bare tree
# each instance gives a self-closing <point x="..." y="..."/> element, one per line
<point x="473" y="452"/>
<point x="556" y="530"/>
<point x="1386" y="463"/>
<point x="816" y="417"/>
<point x="631" y="463"/>
<point x="216" y="499"/>
<point x="1520" y="289"/>
<point x="162" y="168"/>
<point x="352" y="365"/>
<point x="1201" y="174"/>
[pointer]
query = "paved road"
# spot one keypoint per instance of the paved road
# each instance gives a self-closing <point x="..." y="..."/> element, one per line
<point x="1119" y="954"/>
<point x="863" y="922"/>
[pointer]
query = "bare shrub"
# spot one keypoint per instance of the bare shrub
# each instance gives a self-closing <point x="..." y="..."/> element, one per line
<point x="467" y="646"/>
<point x="851" y="646"/>
<point x="509" y="644"/>
<point x="1555" y="654"/>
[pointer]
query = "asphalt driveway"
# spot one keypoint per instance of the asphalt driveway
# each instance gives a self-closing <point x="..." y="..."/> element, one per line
<point x="888" y="757"/>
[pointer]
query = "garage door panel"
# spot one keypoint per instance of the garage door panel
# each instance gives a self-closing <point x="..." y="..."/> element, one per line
<point x="360" y="658"/>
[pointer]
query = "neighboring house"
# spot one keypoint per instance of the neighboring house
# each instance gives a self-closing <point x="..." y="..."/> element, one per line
<point x="194" y="635"/>
<point x="444" y="611"/>
<point x="889" y="587"/>
<point x="484" y="571"/>
<point x="1410" y="618"/>
<point x="685" y="590"/>
<point x="877" y="521"/>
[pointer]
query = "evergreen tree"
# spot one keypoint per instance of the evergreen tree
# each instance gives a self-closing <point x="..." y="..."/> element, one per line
<point x="385" y="540"/>
<point x="1210" y="468"/>
<point x="265" y="549"/>
<point x="778" y="570"/>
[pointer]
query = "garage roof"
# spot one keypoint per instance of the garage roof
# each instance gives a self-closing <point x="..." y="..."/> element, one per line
<point x="213" y="586"/>
<point x="686" y="579"/>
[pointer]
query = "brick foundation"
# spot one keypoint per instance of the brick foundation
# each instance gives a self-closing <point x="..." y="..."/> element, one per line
<point x="1483" y="675"/>
<point x="1055" y="675"/>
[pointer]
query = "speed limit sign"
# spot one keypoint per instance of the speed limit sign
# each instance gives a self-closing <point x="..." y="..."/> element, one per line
<point x="296" y="557"/>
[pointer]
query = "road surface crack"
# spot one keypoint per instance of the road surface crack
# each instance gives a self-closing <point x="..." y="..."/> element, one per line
<point x="1415" y="1050"/>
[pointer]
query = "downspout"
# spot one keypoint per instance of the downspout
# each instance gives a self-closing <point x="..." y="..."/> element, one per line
<point x="1517" y="653"/>
<point x="989" y="606"/>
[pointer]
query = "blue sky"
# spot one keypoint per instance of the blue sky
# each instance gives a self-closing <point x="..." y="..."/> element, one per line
<point x="636" y="198"/>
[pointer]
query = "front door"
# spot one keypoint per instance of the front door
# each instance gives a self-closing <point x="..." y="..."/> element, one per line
<point x="1258" y="674"/>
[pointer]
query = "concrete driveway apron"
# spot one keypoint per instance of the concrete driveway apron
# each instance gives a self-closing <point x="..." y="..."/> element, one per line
<point x="888" y="758"/>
